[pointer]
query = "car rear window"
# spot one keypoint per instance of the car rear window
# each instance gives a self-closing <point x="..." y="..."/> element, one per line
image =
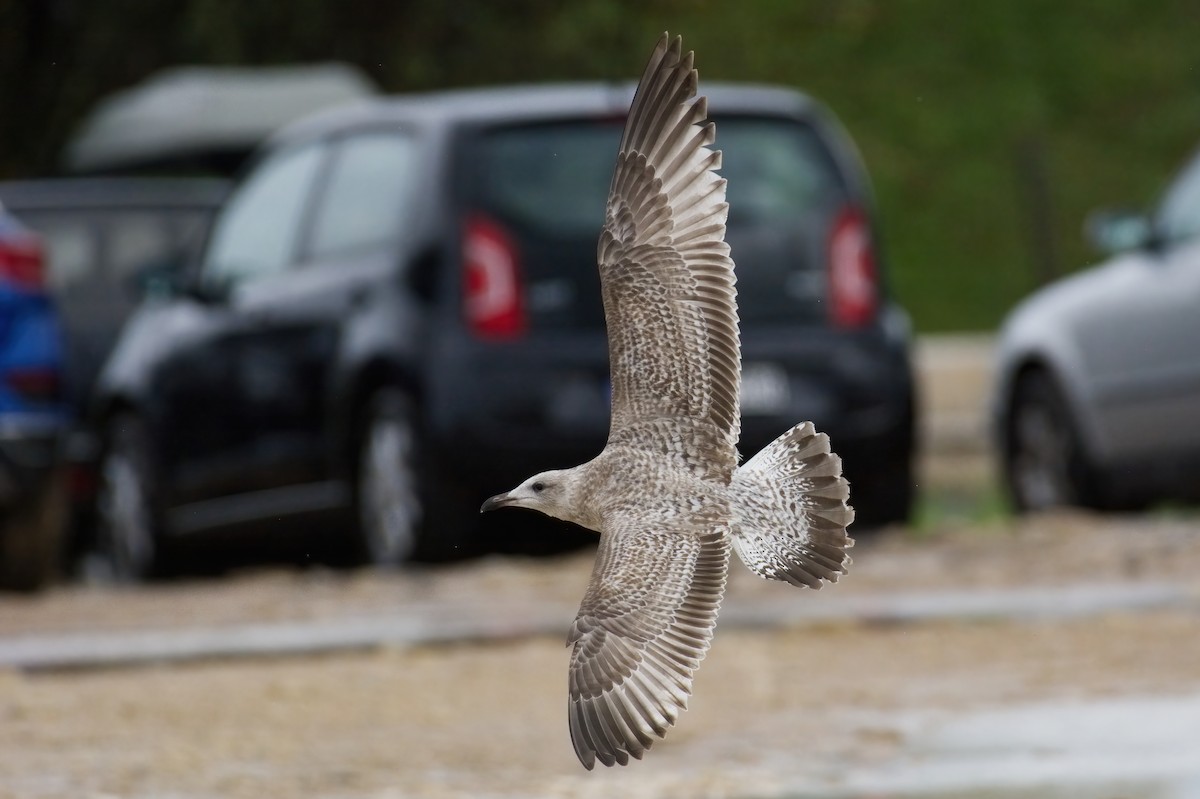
<point x="96" y="258"/>
<point x="547" y="184"/>
<point x="89" y="248"/>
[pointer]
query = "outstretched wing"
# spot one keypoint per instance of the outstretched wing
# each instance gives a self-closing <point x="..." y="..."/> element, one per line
<point x="667" y="278"/>
<point x="643" y="627"/>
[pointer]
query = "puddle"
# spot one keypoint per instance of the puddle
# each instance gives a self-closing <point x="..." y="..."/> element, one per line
<point x="1110" y="749"/>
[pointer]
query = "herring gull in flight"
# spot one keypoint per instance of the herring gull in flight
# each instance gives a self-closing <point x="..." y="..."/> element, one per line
<point x="667" y="494"/>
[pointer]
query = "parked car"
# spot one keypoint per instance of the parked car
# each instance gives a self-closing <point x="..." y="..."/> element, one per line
<point x="32" y="415"/>
<point x="398" y="312"/>
<point x="105" y="242"/>
<point x="1097" y="387"/>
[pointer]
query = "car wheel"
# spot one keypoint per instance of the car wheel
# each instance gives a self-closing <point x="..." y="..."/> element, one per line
<point x="452" y="517"/>
<point x="389" y="500"/>
<point x="885" y="499"/>
<point x="128" y="534"/>
<point x="886" y="494"/>
<point x="1045" y="464"/>
<point x="31" y="539"/>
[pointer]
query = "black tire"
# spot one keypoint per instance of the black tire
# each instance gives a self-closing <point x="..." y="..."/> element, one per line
<point x="389" y="507"/>
<point x="887" y="493"/>
<point x="129" y="528"/>
<point x="451" y="527"/>
<point x="1045" y="464"/>
<point x="884" y="499"/>
<point x="32" y="537"/>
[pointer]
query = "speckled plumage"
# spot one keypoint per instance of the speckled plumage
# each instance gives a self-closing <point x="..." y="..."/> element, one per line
<point x="667" y="495"/>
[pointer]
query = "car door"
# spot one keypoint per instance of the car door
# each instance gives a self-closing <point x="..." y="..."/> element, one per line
<point x="242" y="394"/>
<point x="1142" y="342"/>
<point x="1176" y="419"/>
<point x="360" y="218"/>
<point x="294" y="283"/>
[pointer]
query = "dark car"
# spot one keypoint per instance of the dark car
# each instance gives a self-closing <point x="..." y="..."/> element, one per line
<point x="398" y="312"/>
<point x="32" y="414"/>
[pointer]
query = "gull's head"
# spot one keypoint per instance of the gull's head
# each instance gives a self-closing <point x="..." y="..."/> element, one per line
<point x="552" y="493"/>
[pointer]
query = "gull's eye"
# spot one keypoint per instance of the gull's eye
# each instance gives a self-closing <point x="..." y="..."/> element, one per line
<point x="538" y="487"/>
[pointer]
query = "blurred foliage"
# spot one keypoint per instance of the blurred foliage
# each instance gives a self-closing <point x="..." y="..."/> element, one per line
<point x="990" y="129"/>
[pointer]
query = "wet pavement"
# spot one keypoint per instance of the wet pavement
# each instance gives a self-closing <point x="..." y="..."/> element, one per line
<point x="1119" y="748"/>
<point x="1093" y="707"/>
<point x="1056" y="660"/>
<point x="488" y="619"/>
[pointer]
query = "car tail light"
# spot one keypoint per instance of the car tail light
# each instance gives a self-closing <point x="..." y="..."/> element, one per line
<point x="493" y="294"/>
<point x="22" y="261"/>
<point x="853" y="278"/>
<point x="35" y="384"/>
<point x="81" y="482"/>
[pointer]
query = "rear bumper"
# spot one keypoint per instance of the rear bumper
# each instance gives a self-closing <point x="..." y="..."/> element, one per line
<point x="498" y="416"/>
<point x="29" y="453"/>
<point x="495" y="460"/>
<point x="519" y="436"/>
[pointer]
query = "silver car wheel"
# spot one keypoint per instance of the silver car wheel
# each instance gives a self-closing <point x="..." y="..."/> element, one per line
<point x="1046" y="465"/>
<point x="1041" y="458"/>
<point x="389" y="504"/>
<point x="127" y="532"/>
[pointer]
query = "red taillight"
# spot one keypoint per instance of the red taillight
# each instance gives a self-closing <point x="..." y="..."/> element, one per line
<point x="36" y="384"/>
<point x="853" y="279"/>
<point x="22" y="261"/>
<point x="493" y="295"/>
<point x="81" y="482"/>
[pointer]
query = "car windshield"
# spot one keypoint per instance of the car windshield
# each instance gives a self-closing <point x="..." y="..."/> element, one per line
<point x="548" y="184"/>
<point x="1179" y="214"/>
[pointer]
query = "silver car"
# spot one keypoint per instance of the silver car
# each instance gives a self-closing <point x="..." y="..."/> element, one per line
<point x="1096" y="398"/>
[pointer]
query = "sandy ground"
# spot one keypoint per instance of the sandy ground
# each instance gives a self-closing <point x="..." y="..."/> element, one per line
<point x="471" y="721"/>
<point x="489" y="720"/>
<point x="774" y="711"/>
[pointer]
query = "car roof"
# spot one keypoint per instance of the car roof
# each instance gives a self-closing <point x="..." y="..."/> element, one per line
<point x="506" y="104"/>
<point x="184" y="113"/>
<point x="98" y="193"/>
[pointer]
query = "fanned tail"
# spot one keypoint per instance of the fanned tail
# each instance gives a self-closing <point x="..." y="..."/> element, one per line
<point x="791" y="510"/>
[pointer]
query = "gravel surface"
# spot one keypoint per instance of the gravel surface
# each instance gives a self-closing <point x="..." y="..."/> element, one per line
<point x="774" y="711"/>
<point x="490" y="721"/>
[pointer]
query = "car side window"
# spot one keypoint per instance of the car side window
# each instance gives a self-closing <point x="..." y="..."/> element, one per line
<point x="368" y="194"/>
<point x="1179" y="215"/>
<point x="255" y="235"/>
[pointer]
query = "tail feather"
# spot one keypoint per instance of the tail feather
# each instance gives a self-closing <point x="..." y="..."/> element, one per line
<point x="792" y="511"/>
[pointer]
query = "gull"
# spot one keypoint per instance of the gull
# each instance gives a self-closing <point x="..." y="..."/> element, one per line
<point x="667" y="494"/>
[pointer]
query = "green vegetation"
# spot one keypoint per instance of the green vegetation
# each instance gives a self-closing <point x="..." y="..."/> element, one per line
<point x="990" y="128"/>
<point x="950" y="102"/>
<point x="942" y="506"/>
